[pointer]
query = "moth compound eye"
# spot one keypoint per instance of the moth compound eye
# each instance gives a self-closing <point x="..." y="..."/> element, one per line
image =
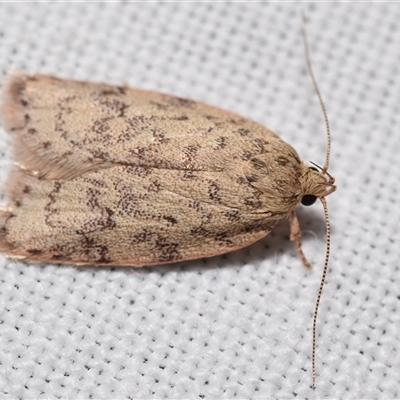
<point x="314" y="169"/>
<point x="308" y="200"/>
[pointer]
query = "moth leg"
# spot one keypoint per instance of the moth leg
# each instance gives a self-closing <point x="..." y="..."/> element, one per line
<point x="295" y="234"/>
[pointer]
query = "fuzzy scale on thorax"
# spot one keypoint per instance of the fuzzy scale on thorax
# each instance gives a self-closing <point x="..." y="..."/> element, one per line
<point x="127" y="176"/>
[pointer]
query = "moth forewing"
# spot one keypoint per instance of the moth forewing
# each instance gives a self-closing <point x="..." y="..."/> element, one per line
<point x="118" y="176"/>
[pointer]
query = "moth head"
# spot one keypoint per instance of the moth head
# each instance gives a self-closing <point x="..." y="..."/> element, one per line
<point x="316" y="183"/>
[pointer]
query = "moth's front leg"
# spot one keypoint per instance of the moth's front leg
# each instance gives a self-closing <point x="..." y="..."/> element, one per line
<point x="295" y="234"/>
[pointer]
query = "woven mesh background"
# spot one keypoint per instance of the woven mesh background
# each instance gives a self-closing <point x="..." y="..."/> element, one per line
<point x="238" y="325"/>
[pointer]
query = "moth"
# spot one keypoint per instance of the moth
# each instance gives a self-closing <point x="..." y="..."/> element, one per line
<point x="109" y="175"/>
<point x="117" y="176"/>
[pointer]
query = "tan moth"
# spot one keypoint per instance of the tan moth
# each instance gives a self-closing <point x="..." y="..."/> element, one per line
<point x="110" y="175"/>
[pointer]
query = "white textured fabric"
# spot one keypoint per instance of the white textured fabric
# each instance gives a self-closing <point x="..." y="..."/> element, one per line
<point x="238" y="325"/>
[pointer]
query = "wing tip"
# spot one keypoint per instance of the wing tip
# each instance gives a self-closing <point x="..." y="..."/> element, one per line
<point x="5" y="246"/>
<point x="12" y="112"/>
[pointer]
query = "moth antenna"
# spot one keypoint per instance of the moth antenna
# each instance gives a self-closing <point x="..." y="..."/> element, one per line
<point x="321" y="286"/>
<point x="316" y="88"/>
<point x="323" y="201"/>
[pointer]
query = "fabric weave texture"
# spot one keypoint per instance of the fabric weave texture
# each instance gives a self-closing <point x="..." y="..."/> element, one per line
<point x="237" y="325"/>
